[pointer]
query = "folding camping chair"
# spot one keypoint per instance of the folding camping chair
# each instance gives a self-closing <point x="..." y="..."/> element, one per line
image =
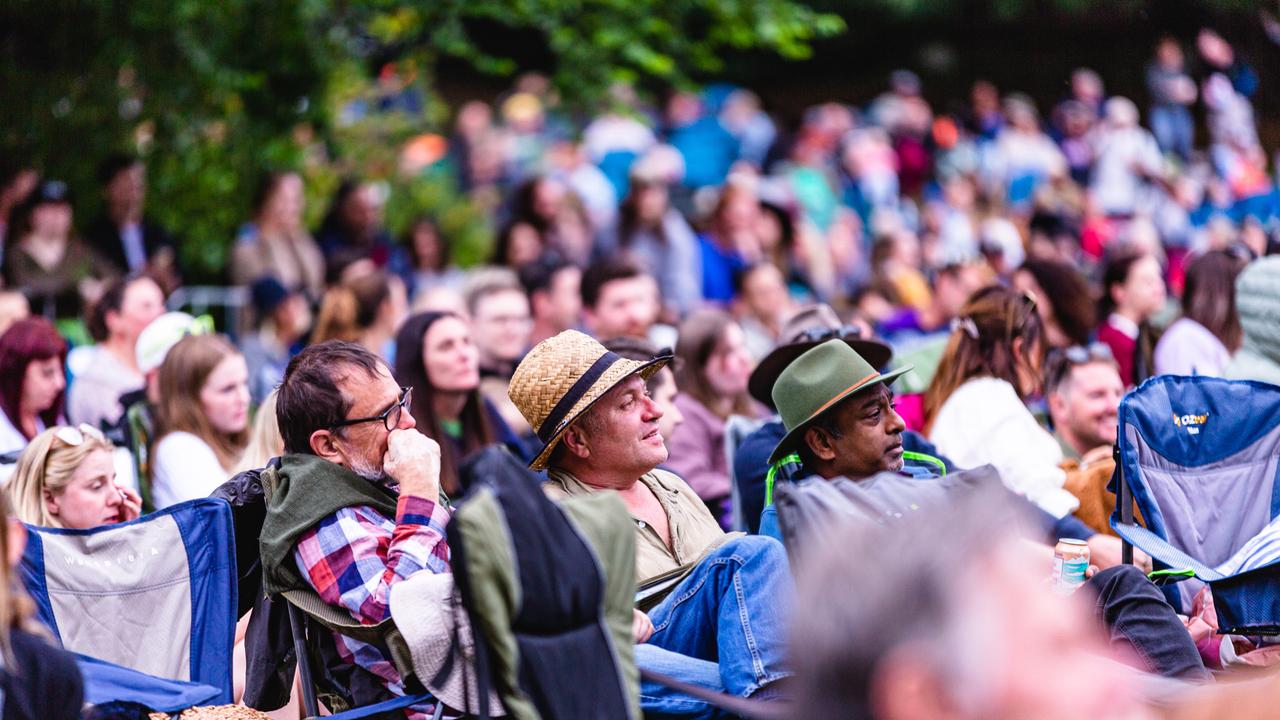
<point x="1201" y="457"/>
<point x="149" y="605"/>
<point x="305" y="619"/>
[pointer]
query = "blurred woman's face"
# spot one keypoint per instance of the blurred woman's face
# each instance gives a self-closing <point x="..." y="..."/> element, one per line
<point x="143" y="302"/>
<point x="51" y="220"/>
<point x="651" y="202"/>
<point x="729" y="367"/>
<point x="287" y="202"/>
<point x="664" y="394"/>
<point x="41" y="384"/>
<point x="524" y="246"/>
<point x="91" y="498"/>
<point x="450" y="358"/>
<point x="1144" y="289"/>
<point x="426" y="246"/>
<point x="225" y="395"/>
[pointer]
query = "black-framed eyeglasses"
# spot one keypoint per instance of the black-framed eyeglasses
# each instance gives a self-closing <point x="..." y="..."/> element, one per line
<point x="1062" y="359"/>
<point x="818" y="334"/>
<point x="390" y="417"/>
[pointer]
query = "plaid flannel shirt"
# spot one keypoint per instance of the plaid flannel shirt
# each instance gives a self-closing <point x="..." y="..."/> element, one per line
<point x="353" y="557"/>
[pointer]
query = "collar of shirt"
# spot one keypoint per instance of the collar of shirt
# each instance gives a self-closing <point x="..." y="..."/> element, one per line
<point x="1124" y="325"/>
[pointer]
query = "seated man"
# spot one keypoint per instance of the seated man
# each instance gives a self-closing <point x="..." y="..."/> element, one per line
<point x="1083" y="389"/>
<point x="804" y="330"/>
<point x="354" y="505"/>
<point x="839" y="416"/>
<point x="721" y="598"/>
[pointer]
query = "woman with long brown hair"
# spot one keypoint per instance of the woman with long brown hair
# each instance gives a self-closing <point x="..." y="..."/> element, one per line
<point x="32" y="361"/>
<point x="203" y="419"/>
<point x="1202" y="340"/>
<point x="712" y="376"/>
<point x="436" y="357"/>
<point x="974" y="408"/>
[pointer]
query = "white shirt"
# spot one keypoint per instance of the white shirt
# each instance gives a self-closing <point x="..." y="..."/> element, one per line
<point x="1188" y="348"/>
<point x="184" y="468"/>
<point x="984" y="422"/>
<point x="12" y="440"/>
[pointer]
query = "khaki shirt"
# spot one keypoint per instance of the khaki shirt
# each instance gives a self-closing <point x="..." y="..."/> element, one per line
<point x="694" y="532"/>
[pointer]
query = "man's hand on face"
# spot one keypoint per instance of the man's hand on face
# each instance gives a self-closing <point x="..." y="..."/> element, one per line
<point x="413" y="460"/>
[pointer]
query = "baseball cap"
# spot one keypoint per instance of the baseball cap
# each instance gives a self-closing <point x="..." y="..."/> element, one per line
<point x="163" y="333"/>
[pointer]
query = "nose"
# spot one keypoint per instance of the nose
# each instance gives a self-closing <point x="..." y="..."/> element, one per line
<point x="406" y="420"/>
<point x="653" y="411"/>
<point x="896" y="423"/>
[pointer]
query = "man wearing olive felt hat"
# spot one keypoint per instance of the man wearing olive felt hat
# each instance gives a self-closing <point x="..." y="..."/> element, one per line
<point x="716" y="603"/>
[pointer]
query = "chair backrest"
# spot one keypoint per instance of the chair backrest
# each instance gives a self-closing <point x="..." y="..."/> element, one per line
<point x="736" y="429"/>
<point x="548" y="588"/>
<point x="809" y="509"/>
<point x="156" y="595"/>
<point x="1201" y="457"/>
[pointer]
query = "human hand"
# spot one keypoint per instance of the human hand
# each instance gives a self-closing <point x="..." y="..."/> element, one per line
<point x="1098" y="454"/>
<point x="130" y="504"/>
<point x="413" y="460"/>
<point x="1106" y="551"/>
<point x="641" y="627"/>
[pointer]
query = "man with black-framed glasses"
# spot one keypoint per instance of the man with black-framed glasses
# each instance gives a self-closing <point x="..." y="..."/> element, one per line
<point x="354" y="505"/>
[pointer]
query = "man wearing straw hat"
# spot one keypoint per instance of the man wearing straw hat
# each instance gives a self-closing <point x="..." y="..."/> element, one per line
<point x="709" y="596"/>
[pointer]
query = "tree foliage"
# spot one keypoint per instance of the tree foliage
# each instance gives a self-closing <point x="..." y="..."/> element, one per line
<point x="211" y="94"/>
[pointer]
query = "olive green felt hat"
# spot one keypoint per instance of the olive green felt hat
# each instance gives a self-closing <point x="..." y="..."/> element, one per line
<point x="816" y="382"/>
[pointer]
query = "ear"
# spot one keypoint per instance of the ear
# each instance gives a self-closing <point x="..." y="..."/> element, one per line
<point x="903" y="689"/>
<point x="1057" y="405"/>
<point x="576" y="442"/>
<point x="820" y="444"/>
<point x="50" y="502"/>
<point x="1017" y="347"/>
<point x="324" y="444"/>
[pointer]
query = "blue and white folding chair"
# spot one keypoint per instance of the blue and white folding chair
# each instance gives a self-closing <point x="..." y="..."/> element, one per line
<point x="1201" y="458"/>
<point x="149" y="605"/>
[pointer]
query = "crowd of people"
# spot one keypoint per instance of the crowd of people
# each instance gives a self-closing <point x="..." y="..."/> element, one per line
<point x="686" y="307"/>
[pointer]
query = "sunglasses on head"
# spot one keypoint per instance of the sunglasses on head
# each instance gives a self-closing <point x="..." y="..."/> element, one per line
<point x="1062" y="359"/>
<point x="819" y="334"/>
<point x="76" y="436"/>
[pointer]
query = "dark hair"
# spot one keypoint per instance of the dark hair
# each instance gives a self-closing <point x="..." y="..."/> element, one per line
<point x="538" y="276"/>
<point x="445" y="253"/>
<point x="1116" y="272"/>
<point x="981" y="345"/>
<point x="112" y="300"/>
<point x="602" y="273"/>
<point x="268" y="183"/>
<point x="410" y="370"/>
<point x="1068" y="295"/>
<point x="333" y="216"/>
<point x="502" y="242"/>
<point x="309" y="398"/>
<point x="113" y="165"/>
<point x="522" y="205"/>
<point x="1209" y="296"/>
<point x="629" y="215"/>
<point x="827" y="422"/>
<point x="25" y="342"/>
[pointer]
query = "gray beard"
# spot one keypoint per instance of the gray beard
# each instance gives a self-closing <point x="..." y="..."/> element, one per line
<point x="373" y="474"/>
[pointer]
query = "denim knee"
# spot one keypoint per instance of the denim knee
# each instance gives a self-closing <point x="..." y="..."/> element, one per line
<point x="752" y="547"/>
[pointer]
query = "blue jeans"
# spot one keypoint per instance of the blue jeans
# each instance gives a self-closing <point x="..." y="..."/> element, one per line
<point x="723" y="627"/>
<point x="1174" y="129"/>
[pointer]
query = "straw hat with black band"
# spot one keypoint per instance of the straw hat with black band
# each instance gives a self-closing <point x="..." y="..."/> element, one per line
<point x="562" y="377"/>
<point x="805" y="329"/>
<point x="816" y="383"/>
